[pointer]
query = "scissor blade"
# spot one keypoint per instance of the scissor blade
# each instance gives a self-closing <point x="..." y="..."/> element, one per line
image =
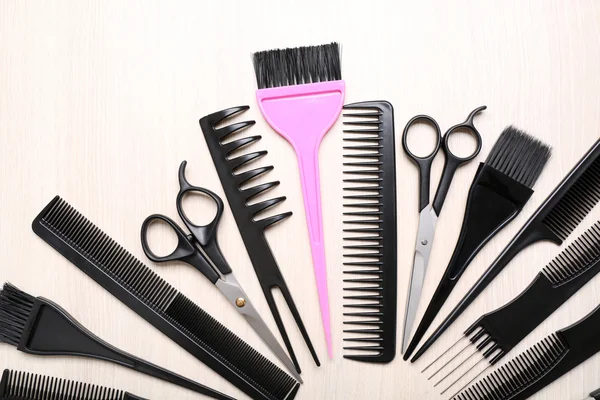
<point x="240" y="301"/>
<point x="427" y="222"/>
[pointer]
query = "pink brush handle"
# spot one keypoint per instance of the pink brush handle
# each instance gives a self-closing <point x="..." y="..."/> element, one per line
<point x="303" y="114"/>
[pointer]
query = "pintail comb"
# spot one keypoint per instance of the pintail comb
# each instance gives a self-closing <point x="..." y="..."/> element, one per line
<point x="17" y="385"/>
<point x="300" y="94"/>
<point x="371" y="232"/>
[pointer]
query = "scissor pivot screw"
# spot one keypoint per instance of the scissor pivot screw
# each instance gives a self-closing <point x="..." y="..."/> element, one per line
<point x="424" y="242"/>
<point x="240" y="302"/>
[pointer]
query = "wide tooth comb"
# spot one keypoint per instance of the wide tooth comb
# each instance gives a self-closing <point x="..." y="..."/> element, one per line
<point x="138" y="287"/>
<point x="370" y="231"/>
<point x="252" y="229"/>
<point x="17" y="385"/>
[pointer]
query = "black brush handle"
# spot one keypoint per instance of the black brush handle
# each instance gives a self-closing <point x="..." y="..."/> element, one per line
<point x="511" y="323"/>
<point x="582" y="342"/>
<point x="595" y="394"/>
<point x="493" y="201"/>
<point x="50" y="330"/>
<point x="531" y="233"/>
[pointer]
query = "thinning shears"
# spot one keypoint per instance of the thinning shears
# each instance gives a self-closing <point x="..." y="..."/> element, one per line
<point x="201" y="250"/>
<point x="429" y="212"/>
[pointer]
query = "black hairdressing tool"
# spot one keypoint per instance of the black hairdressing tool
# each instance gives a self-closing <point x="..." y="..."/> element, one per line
<point x="201" y="250"/>
<point x="126" y="278"/>
<point x="17" y="385"/>
<point x="501" y="188"/>
<point x="541" y="365"/>
<point x="553" y="221"/>
<point x="496" y="333"/>
<point x="371" y="238"/>
<point x="430" y="211"/>
<point x="39" y="326"/>
<point x="595" y="395"/>
<point x="252" y="229"/>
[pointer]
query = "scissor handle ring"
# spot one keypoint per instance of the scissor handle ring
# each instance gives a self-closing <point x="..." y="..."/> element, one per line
<point x="183" y="249"/>
<point x="463" y="128"/>
<point x="428" y="158"/>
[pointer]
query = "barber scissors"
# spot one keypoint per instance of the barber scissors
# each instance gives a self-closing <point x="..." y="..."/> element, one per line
<point x="201" y="250"/>
<point x="429" y="212"/>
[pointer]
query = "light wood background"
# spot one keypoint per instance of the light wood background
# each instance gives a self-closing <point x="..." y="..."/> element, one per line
<point x="100" y="101"/>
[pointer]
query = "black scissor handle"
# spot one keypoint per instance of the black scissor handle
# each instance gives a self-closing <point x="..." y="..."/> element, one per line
<point x="205" y="235"/>
<point x="185" y="250"/>
<point x="452" y="161"/>
<point x="423" y="163"/>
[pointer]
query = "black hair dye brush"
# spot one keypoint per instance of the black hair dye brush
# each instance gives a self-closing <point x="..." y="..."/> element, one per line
<point x="498" y="332"/>
<point x="39" y="326"/>
<point x="129" y="280"/>
<point x="553" y="221"/>
<point x="17" y="385"/>
<point x="501" y="188"/>
<point x="541" y="364"/>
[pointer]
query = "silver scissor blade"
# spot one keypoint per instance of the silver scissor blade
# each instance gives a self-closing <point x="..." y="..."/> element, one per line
<point x="427" y="221"/>
<point x="240" y="301"/>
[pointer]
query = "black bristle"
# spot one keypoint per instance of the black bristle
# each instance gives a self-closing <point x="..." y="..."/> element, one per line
<point x="26" y="386"/>
<point x="298" y="65"/>
<point x="15" y="308"/>
<point x="576" y="203"/>
<point x="577" y="258"/>
<point x="522" y="371"/>
<point x="519" y="155"/>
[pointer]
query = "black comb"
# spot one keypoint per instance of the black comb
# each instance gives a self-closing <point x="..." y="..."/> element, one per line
<point x="251" y="228"/>
<point x="498" y="332"/>
<point x="17" y="385"/>
<point x="501" y="188"/>
<point x="371" y="233"/>
<point x="39" y="326"/>
<point x="553" y="221"/>
<point x="541" y="365"/>
<point x="129" y="280"/>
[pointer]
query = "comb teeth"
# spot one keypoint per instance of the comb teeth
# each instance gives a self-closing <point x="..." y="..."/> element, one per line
<point x="370" y="231"/>
<point x="576" y="258"/>
<point x="197" y="331"/>
<point x="519" y="155"/>
<point x="26" y="386"/>
<point x="15" y="308"/>
<point x="576" y="203"/>
<point x="519" y="373"/>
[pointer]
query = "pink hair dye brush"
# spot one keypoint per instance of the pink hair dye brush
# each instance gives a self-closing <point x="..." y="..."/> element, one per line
<point x="301" y="94"/>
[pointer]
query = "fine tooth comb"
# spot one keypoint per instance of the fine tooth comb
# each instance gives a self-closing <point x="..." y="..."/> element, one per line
<point x="541" y="365"/>
<point x="129" y="280"/>
<point x="496" y="333"/>
<point x="247" y="216"/>
<point x="501" y="188"/>
<point x="300" y="94"/>
<point x="371" y="233"/>
<point x="39" y="326"/>
<point x="17" y="385"/>
<point x="553" y="221"/>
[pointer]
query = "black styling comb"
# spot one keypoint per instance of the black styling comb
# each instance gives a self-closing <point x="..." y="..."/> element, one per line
<point x="501" y="188"/>
<point x="17" y="385"/>
<point x="129" y="280"/>
<point x="496" y="333"/>
<point x="39" y="326"/>
<point x="371" y="233"/>
<point x="541" y="365"/>
<point x="553" y="221"/>
<point x="252" y="229"/>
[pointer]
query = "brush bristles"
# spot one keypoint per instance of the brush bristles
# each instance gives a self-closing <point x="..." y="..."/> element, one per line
<point x="518" y="374"/>
<point x="26" y="386"/>
<point x="578" y="257"/>
<point x="298" y="65"/>
<point x="519" y="155"/>
<point x="15" y="308"/>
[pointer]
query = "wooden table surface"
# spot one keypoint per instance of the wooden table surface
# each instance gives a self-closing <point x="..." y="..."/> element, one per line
<point x="100" y="101"/>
